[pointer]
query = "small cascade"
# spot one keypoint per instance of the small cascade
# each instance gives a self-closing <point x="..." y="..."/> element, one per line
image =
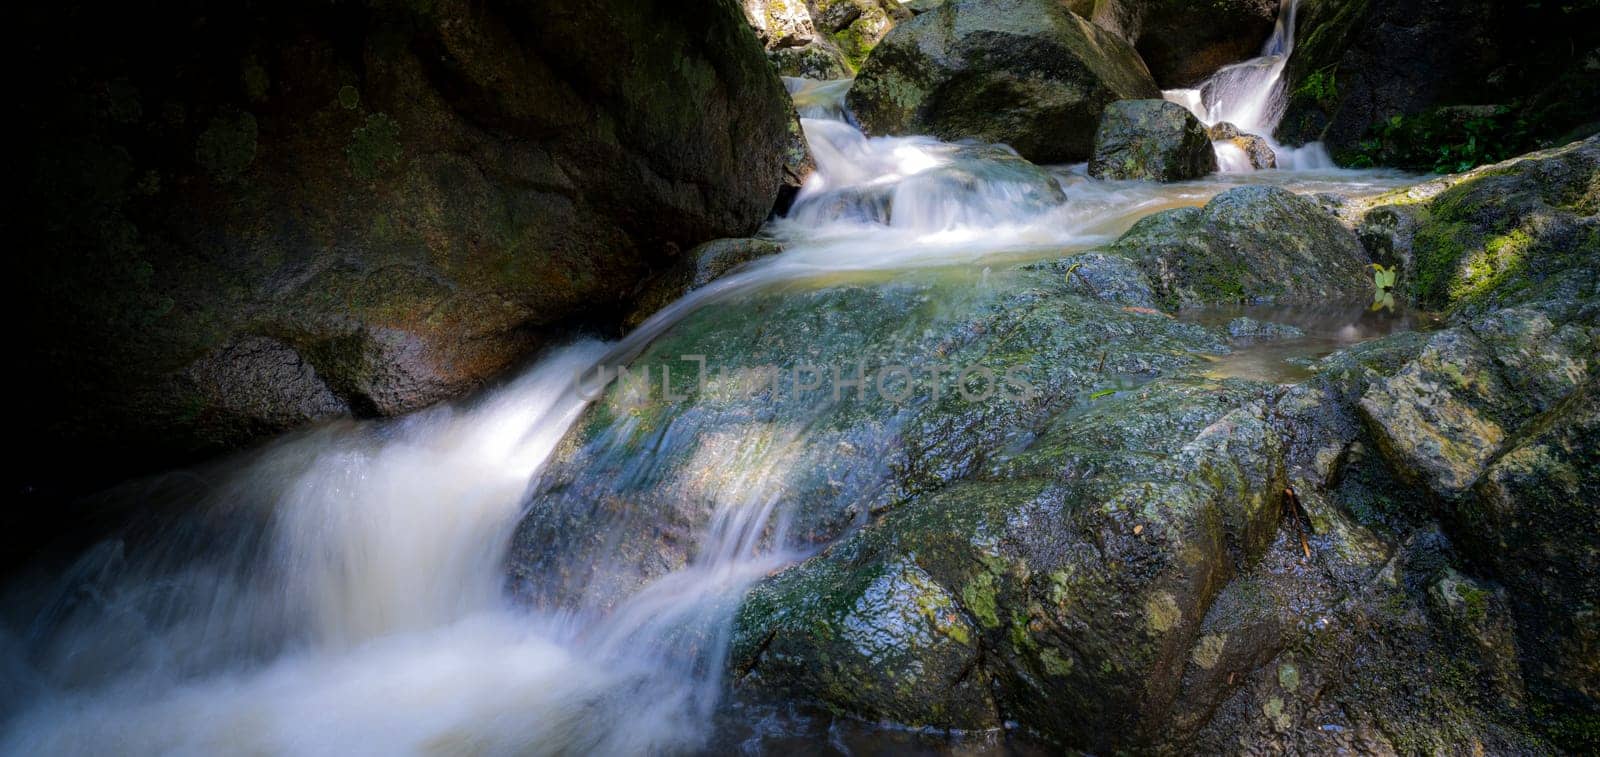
<point x="1250" y="95"/>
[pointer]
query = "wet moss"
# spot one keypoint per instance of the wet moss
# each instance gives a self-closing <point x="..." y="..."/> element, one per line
<point x="374" y="146"/>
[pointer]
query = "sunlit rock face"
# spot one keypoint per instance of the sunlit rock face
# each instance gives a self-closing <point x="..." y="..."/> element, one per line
<point x="1026" y="73"/>
<point x="821" y="39"/>
<point x="281" y="215"/>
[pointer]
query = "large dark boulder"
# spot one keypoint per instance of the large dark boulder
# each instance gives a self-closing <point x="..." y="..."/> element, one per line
<point x="1151" y="140"/>
<point x="1358" y="65"/>
<point x="242" y="217"/>
<point x="1183" y="41"/>
<point x="1027" y="73"/>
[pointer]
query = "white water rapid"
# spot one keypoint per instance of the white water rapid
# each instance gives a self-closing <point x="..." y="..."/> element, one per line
<point x="1251" y="95"/>
<point x="342" y="591"/>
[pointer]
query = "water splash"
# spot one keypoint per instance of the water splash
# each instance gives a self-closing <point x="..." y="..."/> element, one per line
<point x="340" y="593"/>
<point x="1251" y="95"/>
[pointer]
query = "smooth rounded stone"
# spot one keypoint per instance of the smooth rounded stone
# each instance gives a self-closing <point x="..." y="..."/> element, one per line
<point x="403" y="231"/>
<point x="1222" y="131"/>
<point x="1250" y="328"/>
<point x="1262" y="156"/>
<point x="1151" y="140"/>
<point x="1025" y="73"/>
<point x="1256" y="245"/>
<point x="698" y="267"/>
<point x="1183" y="42"/>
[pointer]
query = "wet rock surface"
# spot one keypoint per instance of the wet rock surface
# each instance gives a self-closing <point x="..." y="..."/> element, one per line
<point x="1382" y="558"/>
<point x="1253" y="244"/>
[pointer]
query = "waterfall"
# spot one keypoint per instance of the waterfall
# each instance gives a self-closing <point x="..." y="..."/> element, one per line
<point x="341" y="593"/>
<point x="1251" y="95"/>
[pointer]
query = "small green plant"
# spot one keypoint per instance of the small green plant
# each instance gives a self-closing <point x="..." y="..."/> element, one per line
<point x="1320" y="87"/>
<point x="1445" y="140"/>
<point x="1383" y="281"/>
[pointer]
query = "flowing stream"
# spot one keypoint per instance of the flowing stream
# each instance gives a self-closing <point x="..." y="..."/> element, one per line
<point x="342" y="591"/>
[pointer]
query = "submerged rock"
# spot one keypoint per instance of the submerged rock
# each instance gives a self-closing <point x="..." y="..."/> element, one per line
<point x="969" y="185"/>
<point x="1026" y="73"/>
<point x="242" y="226"/>
<point x="1151" y="140"/>
<point x="1250" y="328"/>
<point x="1254" y="244"/>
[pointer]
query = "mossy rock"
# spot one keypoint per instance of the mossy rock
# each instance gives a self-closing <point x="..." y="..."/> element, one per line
<point x="1256" y="244"/>
<point x="1151" y="140"/>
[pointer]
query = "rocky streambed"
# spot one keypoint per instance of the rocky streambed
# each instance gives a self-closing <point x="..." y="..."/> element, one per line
<point x="959" y="452"/>
<point x="1392" y="551"/>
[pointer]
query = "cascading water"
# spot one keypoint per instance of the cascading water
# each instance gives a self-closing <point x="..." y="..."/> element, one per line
<point x="343" y="591"/>
<point x="1251" y="96"/>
